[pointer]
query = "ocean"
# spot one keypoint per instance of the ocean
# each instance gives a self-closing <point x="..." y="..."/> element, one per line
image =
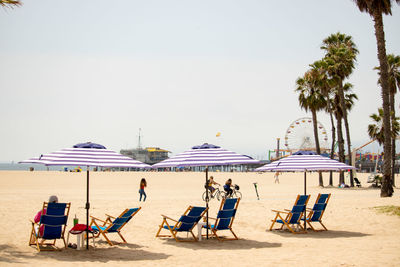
<point x="26" y="167"/>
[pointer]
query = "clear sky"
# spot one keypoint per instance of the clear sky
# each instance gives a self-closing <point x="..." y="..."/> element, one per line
<point x="181" y="70"/>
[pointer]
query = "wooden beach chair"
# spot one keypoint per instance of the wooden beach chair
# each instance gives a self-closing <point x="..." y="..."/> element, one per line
<point x="315" y="214"/>
<point x="225" y="218"/>
<point x="112" y="224"/>
<point x="291" y="218"/>
<point x="186" y="223"/>
<point x="53" y="221"/>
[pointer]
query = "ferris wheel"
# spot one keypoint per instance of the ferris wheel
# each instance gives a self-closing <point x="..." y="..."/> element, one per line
<point x="300" y="135"/>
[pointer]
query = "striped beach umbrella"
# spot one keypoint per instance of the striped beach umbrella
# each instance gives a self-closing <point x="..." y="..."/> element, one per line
<point x="206" y="155"/>
<point x="305" y="163"/>
<point x="90" y="155"/>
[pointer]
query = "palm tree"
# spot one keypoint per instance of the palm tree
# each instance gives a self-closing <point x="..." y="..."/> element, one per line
<point x="311" y="99"/>
<point x="394" y="84"/>
<point x="335" y="103"/>
<point x="10" y="3"/>
<point x="375" y="8"/>
<point x="376" y="129"/>
<point x="341" y="54"/>
<point x="325" y="85"/>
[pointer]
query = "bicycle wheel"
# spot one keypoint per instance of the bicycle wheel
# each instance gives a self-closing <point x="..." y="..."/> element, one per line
<point x="236" y="194"/>
<point x="222" y="194"/>
<point x="218" y="195"/>
<point x="205" y="196"/>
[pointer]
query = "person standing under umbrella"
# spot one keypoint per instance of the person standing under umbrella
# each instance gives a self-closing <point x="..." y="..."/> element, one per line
<point x="143" y="184"/>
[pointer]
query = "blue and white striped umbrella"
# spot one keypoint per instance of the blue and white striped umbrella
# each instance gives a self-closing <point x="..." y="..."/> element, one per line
<point x="206" y="155"/>
<point x="305" y="163"/>
<point x="87" y="157"/>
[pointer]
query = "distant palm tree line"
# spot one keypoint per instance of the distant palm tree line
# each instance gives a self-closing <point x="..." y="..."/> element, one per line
<point x="323" y="87"/>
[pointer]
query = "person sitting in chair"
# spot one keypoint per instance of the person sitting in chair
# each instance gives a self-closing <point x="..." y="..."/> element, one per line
<point x="52" y="199"/>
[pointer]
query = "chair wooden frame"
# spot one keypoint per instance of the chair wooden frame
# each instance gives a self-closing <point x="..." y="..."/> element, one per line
<point x="109" y="223"/>
<point x="214" y="227"/>
<point x="173" y="229"/>
<point x="287" y="220"/>
<point x="41" y="243"/>
<point x="311" y="212"/>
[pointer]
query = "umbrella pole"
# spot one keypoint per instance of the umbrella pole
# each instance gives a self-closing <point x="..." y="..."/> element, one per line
<point x="207" y="201"/>
<point x="305" y="193"/>
<point x="87" y="208"/>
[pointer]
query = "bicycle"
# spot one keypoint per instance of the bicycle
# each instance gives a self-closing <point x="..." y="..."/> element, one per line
<point x="216" y="194"/>
<point x="235" y="192"/>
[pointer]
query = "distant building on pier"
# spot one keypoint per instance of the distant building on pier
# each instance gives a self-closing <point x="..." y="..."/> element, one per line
<point x="148" y="155"/>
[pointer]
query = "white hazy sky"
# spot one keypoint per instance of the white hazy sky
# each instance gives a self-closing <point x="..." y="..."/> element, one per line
<point x="182" y="70"/>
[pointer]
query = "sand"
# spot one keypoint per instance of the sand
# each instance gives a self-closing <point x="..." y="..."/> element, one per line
<point x="357" y="236"/>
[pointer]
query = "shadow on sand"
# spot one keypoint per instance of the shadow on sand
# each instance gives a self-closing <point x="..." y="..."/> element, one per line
<point x="11" y="254"/>
<point x="214" y="244"/>
<point x="322" y="234"/>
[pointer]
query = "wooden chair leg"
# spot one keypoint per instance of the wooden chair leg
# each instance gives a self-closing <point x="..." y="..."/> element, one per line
<point x="326" y="229"/>
<point x="108" y="240"/>
<point x="236" y="238"/>
<point x="274" y="221"/>
<point x="161" y="227"/>
<point x="122" y="237"/>
<point x="195" y="238"/>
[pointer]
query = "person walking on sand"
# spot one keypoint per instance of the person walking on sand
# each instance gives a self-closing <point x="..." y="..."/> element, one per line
<point x="277" y="177"/>
<point x="143" y="184"/>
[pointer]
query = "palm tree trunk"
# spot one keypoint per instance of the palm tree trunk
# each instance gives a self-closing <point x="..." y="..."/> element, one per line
<point x="333" y="145"/>
<point x="387" y="185"/>
<point x="315" y="124"/>
<point x="341" y="145"/>
<point x="393" y="113"/>
<point x="333" y="135"/>
<point x="346" y="125"/>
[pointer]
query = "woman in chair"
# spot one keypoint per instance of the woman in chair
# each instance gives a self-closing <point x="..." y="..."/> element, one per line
<point x="52" y="199"/>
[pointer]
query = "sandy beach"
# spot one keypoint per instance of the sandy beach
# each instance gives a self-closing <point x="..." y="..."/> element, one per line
<point x="357" y="236"/>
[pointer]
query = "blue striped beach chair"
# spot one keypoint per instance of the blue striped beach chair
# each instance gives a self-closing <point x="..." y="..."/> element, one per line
<point x="54" y="221"/>
<point x="186" y="223"/>
<point x="113" y="224"/>
<point x="292" y="218"/>
<point x="225" y="218"/>
<point x="315" y="214"/>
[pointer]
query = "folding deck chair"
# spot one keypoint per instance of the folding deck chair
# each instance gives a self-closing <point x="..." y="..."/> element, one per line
<point x="53" y="221"/>
<point x="293" y="216"/>
<point x="315" y="214"/>
<point x="112" y="224"/>
<point x="186" y="223"/>
<point x="225" y="217"/>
